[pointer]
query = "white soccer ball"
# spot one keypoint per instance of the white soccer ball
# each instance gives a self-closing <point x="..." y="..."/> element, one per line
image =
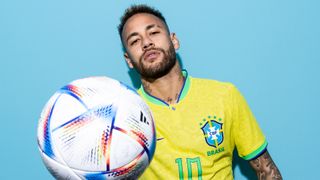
<point x="96" y="128"/>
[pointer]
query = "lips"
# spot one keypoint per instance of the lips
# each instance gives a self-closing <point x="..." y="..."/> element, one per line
<point x="151" y="55"/>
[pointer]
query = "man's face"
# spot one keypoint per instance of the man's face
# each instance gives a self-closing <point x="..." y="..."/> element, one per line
<point x="150" y="48"/>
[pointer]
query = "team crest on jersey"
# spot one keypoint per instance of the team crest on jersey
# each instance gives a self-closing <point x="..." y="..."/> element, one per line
<point x="213" y="132"/>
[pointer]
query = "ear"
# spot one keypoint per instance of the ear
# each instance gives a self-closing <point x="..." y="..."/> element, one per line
<point x="175" y="41"/>
<point x="128" y="60"/>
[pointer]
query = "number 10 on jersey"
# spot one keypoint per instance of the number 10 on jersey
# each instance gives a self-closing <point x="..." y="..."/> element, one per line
<point x="191" y="163"/>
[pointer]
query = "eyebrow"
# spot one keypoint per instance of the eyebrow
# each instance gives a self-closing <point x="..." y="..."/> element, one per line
<point x="150" y="26"/>
<point x="147" y="28"/>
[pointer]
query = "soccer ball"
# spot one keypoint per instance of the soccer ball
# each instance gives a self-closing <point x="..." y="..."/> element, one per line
<point x="96" y="128"/>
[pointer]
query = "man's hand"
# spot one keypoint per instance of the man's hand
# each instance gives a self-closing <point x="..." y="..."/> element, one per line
<point x="265" y="167"/>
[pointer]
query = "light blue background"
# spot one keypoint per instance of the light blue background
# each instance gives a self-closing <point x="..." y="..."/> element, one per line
<point x="269" y="49"/>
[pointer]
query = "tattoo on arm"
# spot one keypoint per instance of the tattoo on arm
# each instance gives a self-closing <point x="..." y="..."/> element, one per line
<point x="265" y="167"/>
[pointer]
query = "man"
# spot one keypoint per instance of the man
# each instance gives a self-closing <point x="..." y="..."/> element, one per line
<point x="199" y="122"/>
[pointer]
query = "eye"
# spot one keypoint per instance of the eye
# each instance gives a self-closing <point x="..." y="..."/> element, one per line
<point x="154" y="32"/>
<point x="134" y="42"/>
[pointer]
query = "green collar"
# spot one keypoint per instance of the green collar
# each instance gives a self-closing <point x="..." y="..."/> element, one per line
<point x="182" y="94"/>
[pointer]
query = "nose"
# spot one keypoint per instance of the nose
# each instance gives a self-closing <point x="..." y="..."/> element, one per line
<point x="147" y="43"/>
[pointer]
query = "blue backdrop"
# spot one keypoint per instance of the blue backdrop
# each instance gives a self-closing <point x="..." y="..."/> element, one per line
<point x="269" y="49"/>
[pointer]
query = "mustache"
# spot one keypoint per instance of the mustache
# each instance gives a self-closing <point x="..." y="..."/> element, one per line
<point x="152" y="49"/>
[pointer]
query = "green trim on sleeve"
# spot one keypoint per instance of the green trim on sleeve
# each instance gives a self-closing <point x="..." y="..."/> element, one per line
<point x="256" y="152"/>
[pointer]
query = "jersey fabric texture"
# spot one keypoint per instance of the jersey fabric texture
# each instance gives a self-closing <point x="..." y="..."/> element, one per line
<point x="196" y="136"/>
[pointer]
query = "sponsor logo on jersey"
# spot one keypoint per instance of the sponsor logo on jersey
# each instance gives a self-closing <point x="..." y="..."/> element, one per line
<point x="159" y="139"/>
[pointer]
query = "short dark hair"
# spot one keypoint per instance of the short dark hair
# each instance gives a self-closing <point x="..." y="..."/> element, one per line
<point x="136" y="9"/>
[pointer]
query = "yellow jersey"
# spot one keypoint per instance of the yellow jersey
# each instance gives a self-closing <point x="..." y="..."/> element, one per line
<point x="196" y="136"/>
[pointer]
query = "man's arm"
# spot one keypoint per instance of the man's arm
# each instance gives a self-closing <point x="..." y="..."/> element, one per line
<point x="265" y="167"/>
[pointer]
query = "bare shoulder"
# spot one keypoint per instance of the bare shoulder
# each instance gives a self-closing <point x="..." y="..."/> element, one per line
<point x="265" y="167"/>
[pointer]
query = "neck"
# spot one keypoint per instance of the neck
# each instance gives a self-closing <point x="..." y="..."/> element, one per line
<point x="166" y="88"/>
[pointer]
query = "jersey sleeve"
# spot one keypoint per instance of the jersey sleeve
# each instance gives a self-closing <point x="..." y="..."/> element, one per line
<point x="249" y="138"/>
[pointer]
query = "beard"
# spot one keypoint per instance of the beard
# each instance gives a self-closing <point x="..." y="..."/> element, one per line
<point x="161" y="69"/>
